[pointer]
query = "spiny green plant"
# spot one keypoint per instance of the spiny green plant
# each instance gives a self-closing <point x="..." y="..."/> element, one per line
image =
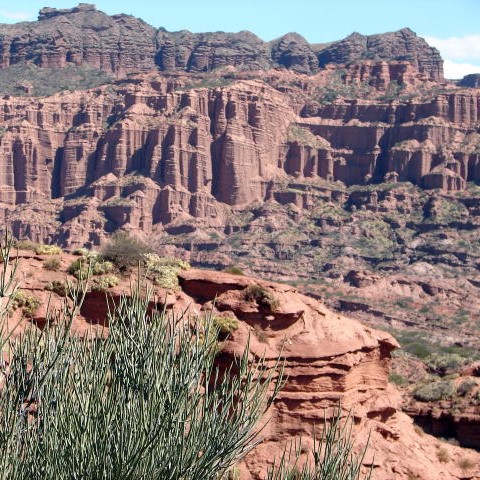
<point x="333" y="455"/>
<point x="144" y="401"/>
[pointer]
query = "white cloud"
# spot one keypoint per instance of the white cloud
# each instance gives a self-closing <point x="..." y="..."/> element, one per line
<point x="14" y="15"/>
<point x="453" y="70"/>
<point x="459" y="48"/>
<point x="461" y="54"/>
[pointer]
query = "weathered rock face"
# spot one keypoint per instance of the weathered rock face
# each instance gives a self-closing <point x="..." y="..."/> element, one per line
<point x="401" y="45"/>
<point x="82" y="35"/>
<point x="203" y="52"/>
<point x="122" y="44"/>
<point x="328" y="358"/>
<point x="293" y="52"/>
<point x="149" y="152"/>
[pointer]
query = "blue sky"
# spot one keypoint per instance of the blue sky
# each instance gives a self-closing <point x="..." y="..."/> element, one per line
<point x="451" y="25"/>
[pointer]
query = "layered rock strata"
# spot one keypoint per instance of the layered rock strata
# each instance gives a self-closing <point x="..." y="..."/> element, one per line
<point x="152" y="151"/>
<point x="122" y="44"/>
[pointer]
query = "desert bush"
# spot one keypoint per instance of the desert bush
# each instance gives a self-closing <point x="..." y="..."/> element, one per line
<point x="234" y="270"/>
<point x="466" y="387"/>
<point x="48" y="250"/>
<point x="81" y="252"/>
<point x="125" y="251"/>
<point x="397" y="379"/>
<point x="432" y="392"/>
<point x="52" y="264"/>
<point x="225" y="325"/>
<point x="443" y="455"/>
<point x="102" y="284"/>
<point x="58" y="287"/>
<point x="153" y="262"/>
<point x="442" y="363"/>
<point x="102" y="267"/>
<point x="164" y="270"/>
<point x="25" y="245"/>
<point x="262" y="296"/>
<point x="79" y="268"/>
<point x="26" y="301"/>
<point x="465" y="464"/>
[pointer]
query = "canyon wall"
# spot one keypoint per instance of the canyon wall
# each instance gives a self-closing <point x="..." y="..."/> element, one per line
<point x="153" y="150"/>
<point x="122" y="44"/>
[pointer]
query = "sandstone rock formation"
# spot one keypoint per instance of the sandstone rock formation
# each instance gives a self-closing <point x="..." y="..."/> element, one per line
<point x="122" y="44"/>
<point x="151" y="151"/>
<point x="401" y="45"/>
<point x="329" y="358"/>
<point x="82" y="35"/>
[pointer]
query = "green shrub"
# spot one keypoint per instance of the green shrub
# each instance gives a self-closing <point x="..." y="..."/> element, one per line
<point x="432" y="392"/>
<point x="58" y="287"/>
<point x="26" y="245"/>
<point x="27" y="302"/>
<point x="102" y="284"/>
<point x="132" y="404"/>
<point x="466" y="387"/>
<point x="226" y="325"/>
<point x="48" y="250"/>
<point x="234" y="270"/>
<point x="125" y="251"/>
<point x="81" y="252"/>
<point x="79" y="268"/>
<point x="466" y="464"/>
<point x="154" y="262"/>
<point x="164" y="270"/>
<point x="101" y="267"/>
<point x="52" y="264"/>
<point x="420" y="350"/>
<point x="443" y="455"/>
<point x="444" y="362"/>
<point x="262" y="296"/>
<point x="397" y="379"/>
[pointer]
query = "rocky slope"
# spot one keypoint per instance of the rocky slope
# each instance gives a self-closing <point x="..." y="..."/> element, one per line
<point x="401" y="45"/>
<point x="123" y="44"/>
<point x="152" y="151"/>
<point x="329" y="358"/>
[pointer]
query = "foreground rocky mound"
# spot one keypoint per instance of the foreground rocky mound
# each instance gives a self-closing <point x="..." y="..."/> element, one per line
<point x="329" y="358"/>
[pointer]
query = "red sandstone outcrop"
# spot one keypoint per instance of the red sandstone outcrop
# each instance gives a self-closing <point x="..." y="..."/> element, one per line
<point x="82" y="35"/>
<point x="148" y="152"/>
<point x="328" y="358"/>
<point x="401" y="45"/>
<point x="122" y="44"/>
